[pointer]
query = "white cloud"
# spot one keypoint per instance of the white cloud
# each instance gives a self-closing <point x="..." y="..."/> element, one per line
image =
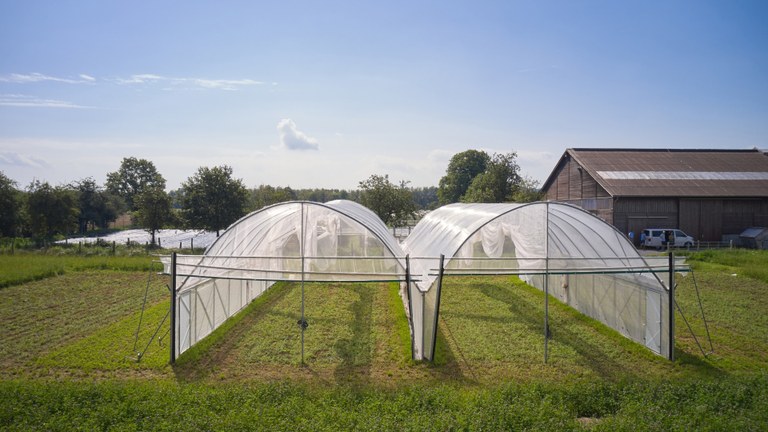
<point x="175" y="82"/>
<point x="225" y="84"/>
<point x="140" y="79"/>
<point x="21" y="160"/>
<point x="293" y="139"/>
<point x="440" y="156"/>
<point x="38" y="77"/>
<point x="26" y="101"/>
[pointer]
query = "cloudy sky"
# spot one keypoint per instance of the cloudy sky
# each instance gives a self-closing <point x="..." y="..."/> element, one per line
<point x="326" y="93"/>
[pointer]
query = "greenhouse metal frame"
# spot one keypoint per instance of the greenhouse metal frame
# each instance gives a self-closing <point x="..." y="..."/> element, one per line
<point x="558" y="248"/>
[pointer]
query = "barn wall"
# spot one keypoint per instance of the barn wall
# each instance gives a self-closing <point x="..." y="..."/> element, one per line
<point x="705" y="219"/>
<point x="702" y="218"/>
<point x="575" y="186"/>
<point x="571" y="183"/>
<point x="739" y="214"/>
<point x="636" y="214"/>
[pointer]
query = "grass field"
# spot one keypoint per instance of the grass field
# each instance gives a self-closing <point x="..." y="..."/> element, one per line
<point x="67" y="357"/>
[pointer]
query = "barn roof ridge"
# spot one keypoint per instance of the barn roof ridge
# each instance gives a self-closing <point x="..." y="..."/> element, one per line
<point x="655" y="160"/>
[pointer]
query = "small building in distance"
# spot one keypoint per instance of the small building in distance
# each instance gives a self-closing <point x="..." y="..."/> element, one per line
<point x="712" y="195"/>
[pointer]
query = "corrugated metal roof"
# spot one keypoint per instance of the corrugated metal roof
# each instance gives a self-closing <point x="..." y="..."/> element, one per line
<point x="700" y="173"/>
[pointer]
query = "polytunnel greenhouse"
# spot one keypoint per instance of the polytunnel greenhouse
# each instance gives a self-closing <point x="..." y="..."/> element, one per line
<point x="564" y="251"/>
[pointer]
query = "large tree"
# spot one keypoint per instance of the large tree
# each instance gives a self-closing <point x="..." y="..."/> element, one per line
<point x="51" y="210"/>
<point x="212" y="200"/>
<point x="392" y="203"/>
<point x="133" y="176"/>
<point x="498" y="183"/>
<point x="97" y="206"/>
<point x="153" y="209"/>
<point x="462" y="169"/>
<point x="10" y="207"/>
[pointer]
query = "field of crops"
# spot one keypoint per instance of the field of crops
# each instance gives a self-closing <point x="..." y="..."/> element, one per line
<point x="68" y="357"/>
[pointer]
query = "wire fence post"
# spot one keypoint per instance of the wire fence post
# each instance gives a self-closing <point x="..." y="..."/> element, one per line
<point x="302" y="322"/>
<point x="173" y="307"/>
<point x="437" y="305"/>
<point x="410" y="304"/>
<point x="671" y="306"/>
<point x="546" y="287"/>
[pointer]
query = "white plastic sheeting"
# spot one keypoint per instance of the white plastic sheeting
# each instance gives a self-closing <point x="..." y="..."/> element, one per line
<point x="561" y="249"/>
<point x="590" y="265"/>
<point x="295" y="241"/>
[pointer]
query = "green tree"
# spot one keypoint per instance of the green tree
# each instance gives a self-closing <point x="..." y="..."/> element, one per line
<point x="133" y="176"/>
<point x="266" y="195"/>
<point x="153" y="209"/>
<point x="97" y="206"/>
<point x="10" y="207"/>
<point x="51" y="210"/>
<point x="498" y="183"/>
<point x="462" y="169"/>
<point x="212" y="199"/>
<point x="392" y="203"/>
<point x="529" y="191"/>
<point x="322" y="195"/>
<point x="425" y="197"/>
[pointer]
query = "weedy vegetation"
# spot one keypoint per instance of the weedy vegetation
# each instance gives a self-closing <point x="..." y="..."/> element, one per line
<point x="68" y="356"/>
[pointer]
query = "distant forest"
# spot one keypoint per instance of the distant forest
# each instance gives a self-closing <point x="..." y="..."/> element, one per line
<point x="425" y="198"/>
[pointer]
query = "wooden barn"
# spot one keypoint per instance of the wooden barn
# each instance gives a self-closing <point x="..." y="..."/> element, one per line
<point x="712" y="195"/>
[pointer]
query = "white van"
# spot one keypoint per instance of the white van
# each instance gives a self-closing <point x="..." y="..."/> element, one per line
<point x="654" y="238"/>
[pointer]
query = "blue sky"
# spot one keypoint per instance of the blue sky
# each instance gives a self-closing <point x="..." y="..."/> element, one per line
<point x="324" y="94"/>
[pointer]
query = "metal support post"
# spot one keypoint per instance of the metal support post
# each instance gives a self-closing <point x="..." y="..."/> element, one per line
<point x="410" y="303"/>
<point x="173" y="307"/>
<point x="437" y="305"/>
<point x="302" y="322"/>
<point x="546" y="287"/>
<point x="672" y="306"/>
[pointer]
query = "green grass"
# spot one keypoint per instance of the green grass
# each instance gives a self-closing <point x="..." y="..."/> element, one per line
<point x="65" y="339"/>
<point x="46" y="315"/>
<point x="106" y="349"/>
<point x="747" y="262"/>
<point x="357" y="334"/>
<point x="735" y="404"/>
<point x="25" y="267"/>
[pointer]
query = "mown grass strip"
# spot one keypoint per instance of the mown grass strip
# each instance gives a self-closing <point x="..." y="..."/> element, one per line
<point x="402" y="331"/>
<point x="21" y="268"/>
<point x="196" y="352"/>
<point x="748" y="262"/>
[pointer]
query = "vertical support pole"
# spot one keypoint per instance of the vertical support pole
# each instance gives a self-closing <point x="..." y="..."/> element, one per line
<point x="437" y="305"/>
<point x="173" y="307"/>
<point x="410" y="303"/>
<point x="546" y="287"/>
<point x="303" y="323"/>
<point x="672" y="306"/>
<point x="191" y="245"/>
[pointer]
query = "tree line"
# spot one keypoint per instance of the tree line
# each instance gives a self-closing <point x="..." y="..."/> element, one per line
<point x="212" y="198"/>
